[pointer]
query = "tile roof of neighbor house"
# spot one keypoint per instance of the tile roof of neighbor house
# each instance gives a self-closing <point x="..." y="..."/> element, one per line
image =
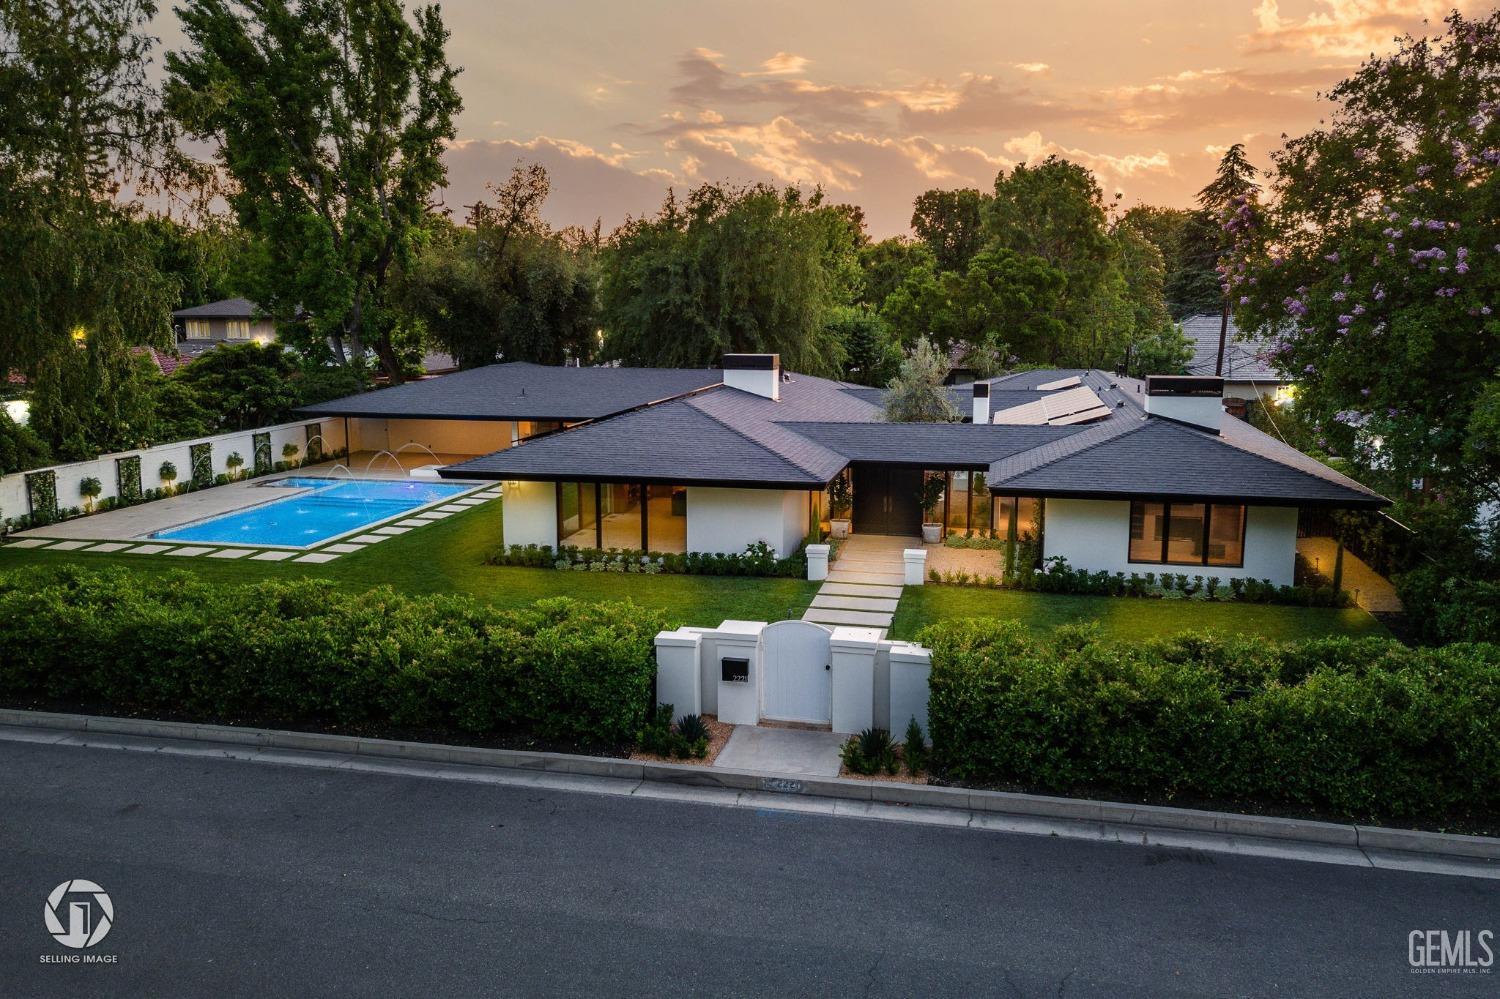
<point x="519" y="390"/>
<point x="725" y="436"/>
<point x="1244" y="355"/>
<point x="227" y="308"/>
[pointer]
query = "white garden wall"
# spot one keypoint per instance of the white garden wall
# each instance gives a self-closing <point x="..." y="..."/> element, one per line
<point x="1095" y="534"/>
<point x="14" y="502"/>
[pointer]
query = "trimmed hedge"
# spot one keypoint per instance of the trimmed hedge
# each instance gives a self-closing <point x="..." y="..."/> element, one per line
<point x="305" y="652"/>
<point x="1358" y="728"/>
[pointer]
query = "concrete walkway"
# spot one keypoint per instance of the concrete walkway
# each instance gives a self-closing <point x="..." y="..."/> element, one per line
<point x="864" y="585"/>
<point x="1370" y="590"/>
<point x="782" y="751"/>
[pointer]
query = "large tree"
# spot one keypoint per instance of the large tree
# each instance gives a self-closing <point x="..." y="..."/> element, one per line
<point x="1054" y="211"/>
<point x="1377" y="261"/>
<point x="1189" y="242"/>
<point x="884" y="265"/>
<point x="80" y="132"/>
<point x="505" y="286"/>
<point x="951" y="223"/>
<point x="1229" y="200"/>
<point x="329" y="118"/>
<point x="730" y="269"/>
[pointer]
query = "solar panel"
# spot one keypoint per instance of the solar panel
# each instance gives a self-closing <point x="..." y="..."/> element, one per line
<point x="1076" y="405"/>
<point x="1061" y="383"/>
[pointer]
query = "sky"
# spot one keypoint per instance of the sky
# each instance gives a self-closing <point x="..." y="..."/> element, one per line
<point x="877" y="101"/>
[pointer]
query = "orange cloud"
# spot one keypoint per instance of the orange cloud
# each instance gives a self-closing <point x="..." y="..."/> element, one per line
<point x="1348" y="29"/>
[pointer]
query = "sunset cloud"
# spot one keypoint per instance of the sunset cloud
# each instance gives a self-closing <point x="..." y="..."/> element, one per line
<point x="1349" y="29"/>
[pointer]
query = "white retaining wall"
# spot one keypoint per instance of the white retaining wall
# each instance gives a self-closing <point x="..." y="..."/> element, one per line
<point x="13" y="498"/>
<point x="1095" y="534"/>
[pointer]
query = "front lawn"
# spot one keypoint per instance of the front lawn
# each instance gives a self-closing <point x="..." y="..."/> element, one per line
<point x="1123" y="617"/>
<point x="448" y="557"/>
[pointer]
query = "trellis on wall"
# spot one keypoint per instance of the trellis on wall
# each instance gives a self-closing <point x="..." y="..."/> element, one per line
<point x="128" y="478"/>
<point x="261" y="449"/>
<point x="200" y="457"/>
<point x="41" y="493"/>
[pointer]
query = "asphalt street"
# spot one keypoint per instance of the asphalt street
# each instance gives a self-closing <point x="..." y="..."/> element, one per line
<point x="233" y="878"/>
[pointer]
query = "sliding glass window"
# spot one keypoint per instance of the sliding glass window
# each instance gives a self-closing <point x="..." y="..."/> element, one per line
<point x="578" y="514"/>
<point x="666" y="518"/>
<point x="1187" y="533"/>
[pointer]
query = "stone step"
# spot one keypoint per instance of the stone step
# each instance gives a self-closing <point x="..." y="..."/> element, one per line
<point x="867" y="564"/>
<point x="877" y="578"/>
<point x="861" y="590"/>
<point x="863" y="619"/>
<point x="834" y="601"/>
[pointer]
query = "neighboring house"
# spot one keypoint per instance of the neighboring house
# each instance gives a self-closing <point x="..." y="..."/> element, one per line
<point x="1247" y="371"/>
<point x="1109" y="472"/>
<point x="216" y="322"/>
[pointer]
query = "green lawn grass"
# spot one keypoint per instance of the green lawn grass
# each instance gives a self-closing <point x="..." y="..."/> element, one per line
<point x="448" y="557"/>
<point x="1123" y="617"/>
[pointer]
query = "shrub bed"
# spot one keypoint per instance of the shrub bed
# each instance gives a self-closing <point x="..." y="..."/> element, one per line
<point x="1059" y="577"/>
<point x="303" y="652"/>
<point x="1355" y="728"/>
<point x="758" y="559"/>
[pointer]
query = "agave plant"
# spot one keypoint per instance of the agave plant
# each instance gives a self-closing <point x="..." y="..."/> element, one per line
<point x="692" y="728"/>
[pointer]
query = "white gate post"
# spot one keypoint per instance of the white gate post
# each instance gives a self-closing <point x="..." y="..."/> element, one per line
<point x="739" y="699"/>
<point x="817" y="562"/>
<point x="915" y="563"/>
<point x="853" y="653"/>
<point x="678" y="676"/>
<point x="911" y="667"/>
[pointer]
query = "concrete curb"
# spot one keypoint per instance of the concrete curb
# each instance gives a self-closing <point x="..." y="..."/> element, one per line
<point x="1124" y="816"/>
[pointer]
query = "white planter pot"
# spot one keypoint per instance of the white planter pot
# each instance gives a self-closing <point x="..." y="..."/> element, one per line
<point x="932" y="533"/>
<point x="839" y="527"/>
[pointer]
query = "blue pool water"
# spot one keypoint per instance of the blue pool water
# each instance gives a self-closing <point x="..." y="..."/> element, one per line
<point x="329" y="508"/>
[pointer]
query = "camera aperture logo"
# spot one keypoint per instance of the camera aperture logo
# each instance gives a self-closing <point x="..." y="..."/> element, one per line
<point x="1448" y="952"/>
<point x="79" y="914"/>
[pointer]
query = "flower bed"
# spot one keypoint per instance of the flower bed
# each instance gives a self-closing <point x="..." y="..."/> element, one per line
<point x="758" y="559"/>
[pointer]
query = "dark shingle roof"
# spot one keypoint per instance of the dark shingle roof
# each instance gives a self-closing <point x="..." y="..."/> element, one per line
<point x="1165" y="458"/>
<point x="933" y="445"/>
<point x="1244" y="355"/>
<point x="522" y="391"/>
<point x="227" y="308"/>
<point x="726" y="436"/>
<point x="673" y="442"/>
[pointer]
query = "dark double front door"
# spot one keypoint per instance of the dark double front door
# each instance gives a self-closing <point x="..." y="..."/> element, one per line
<point x="886" y="500"/>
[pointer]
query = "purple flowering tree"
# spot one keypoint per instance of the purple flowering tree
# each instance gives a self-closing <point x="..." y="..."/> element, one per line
<point x="1377" y="260"/>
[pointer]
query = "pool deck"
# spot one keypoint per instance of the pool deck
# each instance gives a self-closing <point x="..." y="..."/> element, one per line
<point x="135" y="523"/>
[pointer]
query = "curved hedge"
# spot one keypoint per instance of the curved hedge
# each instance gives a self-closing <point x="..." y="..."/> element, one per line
<point x="1360" y="728"/>
<point x="303" y="651"/>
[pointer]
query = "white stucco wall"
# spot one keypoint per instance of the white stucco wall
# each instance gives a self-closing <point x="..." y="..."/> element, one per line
<point x="1095" y="534"/>
<point x="726" y="520"/>
<point x="443" y="436"/>
<point x="13" y="498"/>
<point x="530" y="513"/>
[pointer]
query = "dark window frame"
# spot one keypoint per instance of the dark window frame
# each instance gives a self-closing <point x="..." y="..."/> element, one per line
<point x="1166" y="532"/>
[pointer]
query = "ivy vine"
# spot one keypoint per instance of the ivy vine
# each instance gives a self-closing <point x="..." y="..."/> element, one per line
<point x="200" y="458"/>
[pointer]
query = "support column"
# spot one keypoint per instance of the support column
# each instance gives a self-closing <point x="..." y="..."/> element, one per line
<point x="852" y="653"/>
<point x="911" y="668"/>
<point x="678" y="675"/>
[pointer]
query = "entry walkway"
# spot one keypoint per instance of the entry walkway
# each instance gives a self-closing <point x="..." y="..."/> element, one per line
<point x="782" y="751"/>
<point x="864" y="585"/>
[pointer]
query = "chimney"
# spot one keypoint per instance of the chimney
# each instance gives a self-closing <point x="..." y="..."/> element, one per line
<point x="759" y="374"/>
<point x="981" y="402"/>
<point x="1187" y="398"/>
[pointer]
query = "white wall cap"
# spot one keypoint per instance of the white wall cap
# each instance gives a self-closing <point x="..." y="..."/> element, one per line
<point x="740" y="627"/>
<point x="683" y="639"/>
<point x="855" y="639"/>
<point x="914" y="554"/>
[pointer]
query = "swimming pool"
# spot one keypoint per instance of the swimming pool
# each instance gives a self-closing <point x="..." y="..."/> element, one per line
<point x="328" y="508"/>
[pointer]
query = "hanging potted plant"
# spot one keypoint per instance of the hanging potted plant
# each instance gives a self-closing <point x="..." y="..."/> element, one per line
<point x="930" y="495"/>
<point x="840" y="502"/>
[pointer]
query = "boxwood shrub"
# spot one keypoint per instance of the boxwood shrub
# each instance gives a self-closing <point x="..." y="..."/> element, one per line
<point x="1357" y="728"/>
<point x="304" y="652"/>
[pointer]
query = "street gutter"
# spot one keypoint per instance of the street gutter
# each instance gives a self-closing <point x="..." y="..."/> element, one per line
<point x="1325" y="842"/>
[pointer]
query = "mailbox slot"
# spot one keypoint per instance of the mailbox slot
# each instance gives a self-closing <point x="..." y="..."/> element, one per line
<point x="734" y="670"/>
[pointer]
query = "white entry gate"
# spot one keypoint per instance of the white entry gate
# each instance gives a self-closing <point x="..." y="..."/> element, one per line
<point x="798" y="679"/>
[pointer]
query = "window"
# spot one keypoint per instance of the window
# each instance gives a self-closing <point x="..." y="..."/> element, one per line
<point x="198" y="329"/>
<point x="1187" y="533"/>
<point x="666" y="518"/>
<point x="1148" y="522"/>
<point x="979" y="511"/>
<point x="958" y="502"/>
<point x="1226" y="535"/>
<point x="578" y="514"/>
<point x="237" y="329"/>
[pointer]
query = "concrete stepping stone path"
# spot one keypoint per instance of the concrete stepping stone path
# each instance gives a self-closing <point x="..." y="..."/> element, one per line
<point x="864" y="586"/>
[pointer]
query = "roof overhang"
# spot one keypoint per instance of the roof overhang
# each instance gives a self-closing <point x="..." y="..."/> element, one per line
<point x="1374" y="503"/>
<point x="455" y="472"/>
